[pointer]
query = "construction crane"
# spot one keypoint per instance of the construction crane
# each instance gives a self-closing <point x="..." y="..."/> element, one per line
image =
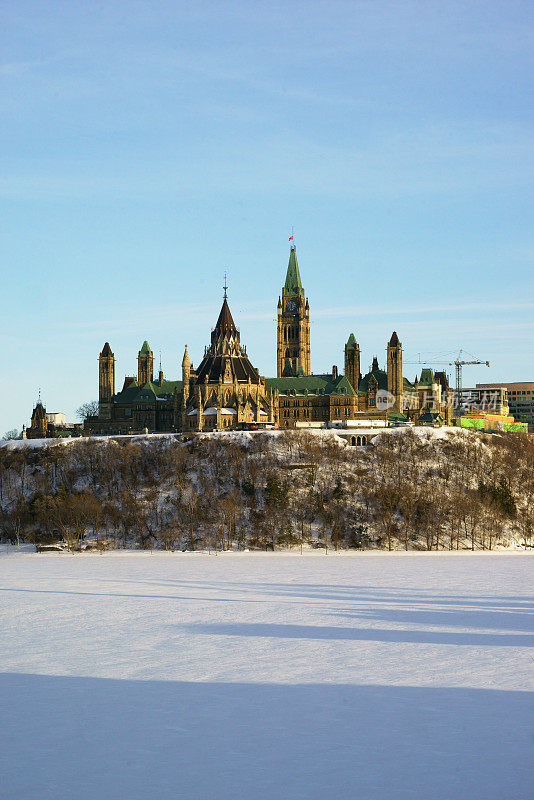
<point x="459" y="363"/>
<point x="441" y="363"/>
<point x="449" y="363"/>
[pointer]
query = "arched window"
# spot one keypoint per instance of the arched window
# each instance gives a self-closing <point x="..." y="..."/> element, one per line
<point x="359" y="440"/>
<point x="353" y="441"/>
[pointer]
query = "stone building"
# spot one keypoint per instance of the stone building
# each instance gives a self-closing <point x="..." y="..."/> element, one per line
<point x="224" y="391"/>
<point x="39" y="425"/>
<point x="313" y="398"/>
<point x="49" y="425"/>
<point x="227" y="391"/>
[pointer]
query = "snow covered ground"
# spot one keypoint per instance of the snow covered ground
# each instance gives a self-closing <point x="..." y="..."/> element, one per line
<point x="366" y="676"/>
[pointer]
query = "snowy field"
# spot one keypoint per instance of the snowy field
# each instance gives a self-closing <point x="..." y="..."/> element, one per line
<point x="366" y="676"/>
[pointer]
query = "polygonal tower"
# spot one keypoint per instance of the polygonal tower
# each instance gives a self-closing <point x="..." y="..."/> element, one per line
<point x="293" y="340"/>
<point x="352" y="362"/>
<point x="394" y="370"/>
<point x="145" y="364"/>
<point x="39" y="427"/>
<point x="106" y="382"/>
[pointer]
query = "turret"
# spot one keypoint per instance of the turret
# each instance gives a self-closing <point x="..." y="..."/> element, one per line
<point x="186" y="375"/>
<point x="352" y="362"/>
<point x="145" y="364"/>
<point x="39" y="427"/>
<point x="394" y="371"/>
<point x="186" y="366"/>
<point x="106" y="382"/>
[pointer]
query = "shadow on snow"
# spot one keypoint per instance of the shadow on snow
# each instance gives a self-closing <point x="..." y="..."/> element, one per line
<point x="82" y="738"/>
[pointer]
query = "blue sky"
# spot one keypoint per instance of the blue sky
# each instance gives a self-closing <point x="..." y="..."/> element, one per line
<point x="145" y="147"/>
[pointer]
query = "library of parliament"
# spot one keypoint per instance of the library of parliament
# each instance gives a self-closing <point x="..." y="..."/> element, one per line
<point x="226" y="391"/>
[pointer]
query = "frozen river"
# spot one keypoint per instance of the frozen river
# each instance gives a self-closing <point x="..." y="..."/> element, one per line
<point x="372" y="676"/>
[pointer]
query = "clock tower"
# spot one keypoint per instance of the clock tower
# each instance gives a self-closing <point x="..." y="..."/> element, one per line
<point x="293" y="341"/>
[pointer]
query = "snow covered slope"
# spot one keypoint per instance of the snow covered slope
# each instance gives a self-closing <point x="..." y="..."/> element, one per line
<point x="260" y="676"/>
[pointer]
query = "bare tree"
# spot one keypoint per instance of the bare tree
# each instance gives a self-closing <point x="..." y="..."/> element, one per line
<point x="89" y="409"/>
<point x="14" y="433"/>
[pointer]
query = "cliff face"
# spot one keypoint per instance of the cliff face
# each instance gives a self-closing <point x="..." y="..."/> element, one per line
<point x="410" y="489"/>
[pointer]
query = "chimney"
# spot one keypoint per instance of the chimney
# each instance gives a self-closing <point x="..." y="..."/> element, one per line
<point x="334" y="373"/>
<point x="160" y="379"/>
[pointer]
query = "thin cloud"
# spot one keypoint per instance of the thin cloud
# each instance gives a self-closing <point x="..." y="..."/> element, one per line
<point x="377" y="310"/>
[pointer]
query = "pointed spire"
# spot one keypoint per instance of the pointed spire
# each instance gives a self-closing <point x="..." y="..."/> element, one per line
<point x="185" y="360"/>
<point x="375" y="366"/>
<point x="293" y="285"/>
<point x="145" y="347"/>
<point x="351" y="342"/>
<point x="106" y="350"/>
<point x="225" y="323"/>
<point x="394" y="341"/>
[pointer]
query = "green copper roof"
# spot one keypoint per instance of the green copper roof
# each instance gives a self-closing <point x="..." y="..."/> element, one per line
<point x="351" y="342"/>
<point x="310" y="384"/>
<point x="379" y="375"/>
<point x="293" y="285"/>
<point x="149" y="392"/>
<point x="145" y="348"/>
<point x="430" y="416"/>
<point x="427" y="377"/>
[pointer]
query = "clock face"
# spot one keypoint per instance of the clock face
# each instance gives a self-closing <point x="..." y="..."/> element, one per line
<point x="291" y="306"/>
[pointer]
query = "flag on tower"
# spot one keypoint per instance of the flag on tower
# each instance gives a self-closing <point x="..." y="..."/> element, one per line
<point x="291" y="238"/>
